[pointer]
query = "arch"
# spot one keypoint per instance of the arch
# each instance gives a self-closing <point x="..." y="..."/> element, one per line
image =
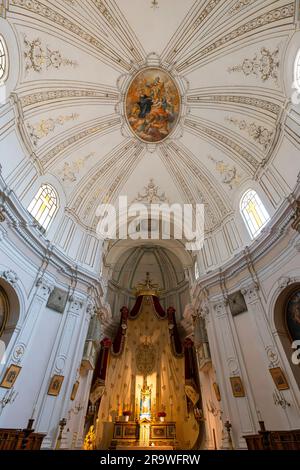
<point x="253" y="212"/>
<point x="13" y="312"/>
<point x="4" y="60"/>
<point x="281" y="326"/>
<point x="44" y="205"/>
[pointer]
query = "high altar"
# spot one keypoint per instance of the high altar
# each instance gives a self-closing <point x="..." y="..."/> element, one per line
<point x="149" y="396"/>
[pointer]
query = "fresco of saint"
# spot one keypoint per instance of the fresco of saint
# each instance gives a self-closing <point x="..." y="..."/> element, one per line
<point x="152" y="105"/>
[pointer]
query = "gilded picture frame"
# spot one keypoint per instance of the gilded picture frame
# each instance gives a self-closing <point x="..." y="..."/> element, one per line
<point x="217" y="391"/>
<point x="74" y="390"/>
<point x="237" y="387"/>
<point x="55" y="385"/>
<point x="279" y="378"/>
<point x="10" y="376"/>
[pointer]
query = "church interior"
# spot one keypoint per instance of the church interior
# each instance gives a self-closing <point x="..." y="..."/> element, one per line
<point x="113" y="342"/>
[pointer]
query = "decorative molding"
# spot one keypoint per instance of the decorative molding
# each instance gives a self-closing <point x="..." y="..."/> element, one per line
<point x="46" y="126"/>
<point x="264" y="66"/>
<point x="10" y="276"/>
<point x="151" y="194"/>
<point x="230" y="176"/>
<point x="239" y="6"/>
<point x="259" y="134"/>
<point x="40" y="58"/>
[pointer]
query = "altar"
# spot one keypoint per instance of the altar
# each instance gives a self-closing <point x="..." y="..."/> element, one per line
<point x="141" y="436"/>
<point x="147" y="401"/>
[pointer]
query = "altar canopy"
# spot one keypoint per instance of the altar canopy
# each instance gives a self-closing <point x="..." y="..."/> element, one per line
<point x="146" y="375"/>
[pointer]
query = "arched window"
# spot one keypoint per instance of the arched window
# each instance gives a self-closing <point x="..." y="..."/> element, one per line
<point x="3" y="60"/>
<point x="44" y="205"/>
<point x="253" y="212"/>
<point x="196" y="271"/>
<point x="297" y="71"/>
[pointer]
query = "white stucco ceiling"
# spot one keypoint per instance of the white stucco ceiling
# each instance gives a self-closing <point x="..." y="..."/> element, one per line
<point x="77" y="58"/>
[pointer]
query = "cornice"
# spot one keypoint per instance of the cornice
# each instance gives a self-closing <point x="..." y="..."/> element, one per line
<point x="23" y="225"/>
<point x="278" y="227"/>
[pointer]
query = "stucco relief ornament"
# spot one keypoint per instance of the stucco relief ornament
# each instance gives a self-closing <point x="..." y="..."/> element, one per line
<point x="40" y="58"/>
<point x="152" y="194"/>
<point x="10" y="276"/>
<point x="265" y="66"/>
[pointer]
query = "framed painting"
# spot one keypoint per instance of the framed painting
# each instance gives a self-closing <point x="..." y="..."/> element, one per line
<point x="158" y="432"/>
<point x="10" y="376"/>
<point x="217" y="391"/>
<point x="130" y="431"/>
<point x="118" y="431"/>
<point x="55" y="385"/>
<point x="237" y="387"/>
<point x="171" y="431"/>
<point x="74" y="390"/>
<point x="152" y="105"/>
<point x="279" y="378"/>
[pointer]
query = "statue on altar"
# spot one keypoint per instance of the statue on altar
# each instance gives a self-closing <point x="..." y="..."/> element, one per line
<point x="145" y="402"/>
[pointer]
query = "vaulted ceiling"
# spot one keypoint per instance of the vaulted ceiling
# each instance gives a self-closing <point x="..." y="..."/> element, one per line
<point x="77" y="59"/>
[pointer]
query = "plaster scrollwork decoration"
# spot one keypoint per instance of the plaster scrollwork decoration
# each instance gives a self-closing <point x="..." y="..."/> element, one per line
<point x="10" y="276"/>
<point x="76" y="304"/>
<point x="230" y="175"/>
<point x="264" y="65"/>
<point x="285" y="281"/>
<point x="151" y="194"/>
<point x="60" y="364"/>
<point x="221" y="308"/>
<point x="260" y="134"/>
<point x="272" y="356"/>
<point x="233" y="366"/>
<point x="45" y="127"/>
<point x="250" y="293"/>
<point x="44" y="288"/>
<point x="40" y="58"/>
<point x="18" y="352"/>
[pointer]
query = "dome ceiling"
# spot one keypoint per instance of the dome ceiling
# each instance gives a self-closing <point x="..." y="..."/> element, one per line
<point x="78" y="59"/>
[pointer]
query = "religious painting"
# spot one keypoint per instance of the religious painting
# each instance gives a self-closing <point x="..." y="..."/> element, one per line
<point x="279" y="378"/>
<point x="74" y="390"/>
<point x="130" y="431"/>
<point x="293" y="315"/>
<point x="4" y="309"/>
<point x="158" y="432"/>
<point x="118" y="431"/>
<point x="10" y="376"/>
<point x="237" y="387"/>
<point x="152" y="105"/>
<point x="55" y="385"/>
<point x="217" y="391"/>
<point x="171" y="431"/>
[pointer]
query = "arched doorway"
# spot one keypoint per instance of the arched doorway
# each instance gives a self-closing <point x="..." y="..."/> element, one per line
<point x="9" y="311"/>
<point x="287" y="323"/>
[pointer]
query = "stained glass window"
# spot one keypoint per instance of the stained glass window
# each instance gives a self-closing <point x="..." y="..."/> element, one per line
<point x="44" y="205"/>
<point x="3" y="60"/>
<point x="253" y="212"/>
<point x="297" y="71"/>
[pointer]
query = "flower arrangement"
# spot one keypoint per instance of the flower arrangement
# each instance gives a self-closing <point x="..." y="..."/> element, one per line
<point x="161" y="414"/>
<point x="127" y="413"/>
